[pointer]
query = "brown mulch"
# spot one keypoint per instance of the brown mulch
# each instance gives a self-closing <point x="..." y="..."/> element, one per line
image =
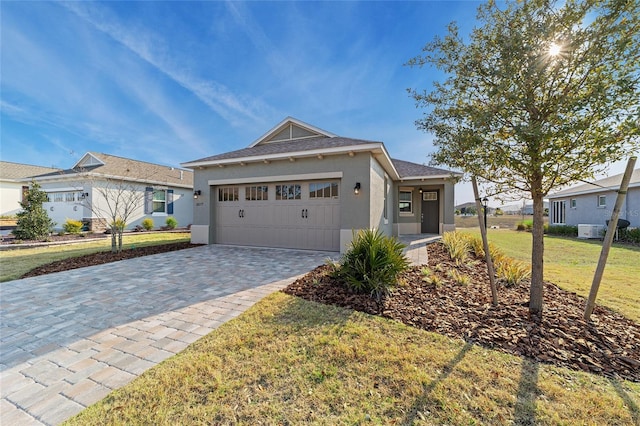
<point x="608" y="345"/>
<point x="105" y="257"/>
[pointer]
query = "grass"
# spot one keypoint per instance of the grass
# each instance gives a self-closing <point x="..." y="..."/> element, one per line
<point x="291" y="361"/>
<point x="570" y="263"/>
<point x="15" y="263"/>
<point x="503" y="221"/>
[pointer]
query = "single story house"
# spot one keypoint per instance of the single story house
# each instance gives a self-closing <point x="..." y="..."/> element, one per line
<point x="14" y="181"/>
<point x="100" y="184"/>
<point x="592" y="203"/>
<point x="298" y="186"/>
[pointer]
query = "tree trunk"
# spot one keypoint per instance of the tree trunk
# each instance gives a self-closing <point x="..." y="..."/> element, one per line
<point x="113" y="240"/>
<point x="537" y="255"/>
<point x="120" y="240"/>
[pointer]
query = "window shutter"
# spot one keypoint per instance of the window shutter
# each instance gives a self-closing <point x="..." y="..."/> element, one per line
<point x="169" y="201"/>
<point x="148" y="200"/>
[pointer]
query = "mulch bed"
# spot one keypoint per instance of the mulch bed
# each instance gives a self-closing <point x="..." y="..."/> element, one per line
<point x="105" y="257"/>
<point x="608" y="345"/>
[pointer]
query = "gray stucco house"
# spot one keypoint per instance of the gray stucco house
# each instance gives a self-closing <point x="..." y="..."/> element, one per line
<point x="593" y="203"/>
<point x="302" y="187"/>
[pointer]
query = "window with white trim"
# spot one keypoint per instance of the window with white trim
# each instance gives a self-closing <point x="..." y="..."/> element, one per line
<point x="602" y="201"/>
<point x="323" y="190"/>
<point x="159" y="201"/>
<point x="405" y="202"/>
<point x="558" y="212"/>
<point x="288" y="192"/>
<point x="228" y="193"/>
<point x="384" y="208"/>
<point x="256" y="193"/>
<point x="572" y="203"/>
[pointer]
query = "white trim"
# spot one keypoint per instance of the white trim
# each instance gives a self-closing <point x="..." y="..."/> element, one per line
<point x="88" y="154"/>
<point x="65" y="189"/>
<point x="291" y="120"/>
<point x="567" y="194"/>
<point x="281" y="178"/>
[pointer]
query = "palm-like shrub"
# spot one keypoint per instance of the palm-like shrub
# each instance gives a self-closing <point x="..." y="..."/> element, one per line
<point x="372" y="263"/>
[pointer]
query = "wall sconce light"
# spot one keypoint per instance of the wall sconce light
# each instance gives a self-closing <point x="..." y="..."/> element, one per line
<point x="356" y="189"/>
<point x="197" y="193"/>
<point x="421" y="190"/>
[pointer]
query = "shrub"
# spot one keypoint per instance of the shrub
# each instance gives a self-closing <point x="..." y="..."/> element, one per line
<point x="563" y="230"/>
<point x="436" y="280"/>
<point x="475" y="245"/>
<point x="171" y="222"/>
<point x="457" y="245"/>
<point x="512" y="272"/>
<point x="631" y="235"/>
<point x="72" y="226"/>
<point x="459" y="277"/>
<point x="118" y="225"/>
<point x="525" y="225"/>
<point x="147" y="224"/>
<point x="33" y="222"/>
<point x="372" y="263"/>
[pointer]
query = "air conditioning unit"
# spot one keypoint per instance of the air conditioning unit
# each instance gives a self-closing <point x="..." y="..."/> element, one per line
<point x="590" y="231"/>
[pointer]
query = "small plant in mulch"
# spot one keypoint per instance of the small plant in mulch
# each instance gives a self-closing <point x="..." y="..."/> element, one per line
<point x="372" y="263"/>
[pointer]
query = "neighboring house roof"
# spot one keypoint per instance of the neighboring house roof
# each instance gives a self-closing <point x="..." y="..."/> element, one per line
<point x="20" y="172"/>
<point x="611" y="183"/>
<point x="292" y="138"/>
<point x="106" y="165"/>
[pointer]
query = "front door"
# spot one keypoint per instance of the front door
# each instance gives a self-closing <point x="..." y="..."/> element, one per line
<point x="430" y="212"/>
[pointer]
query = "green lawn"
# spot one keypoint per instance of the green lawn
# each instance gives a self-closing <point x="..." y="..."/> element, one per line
<point x="15" y="263"/>
<point x="570" y="263"/>
<point x="290" y="361"/>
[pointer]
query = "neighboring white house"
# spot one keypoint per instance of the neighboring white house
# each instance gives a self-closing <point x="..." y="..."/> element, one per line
<point x="592" y="203"/>
<point x="87" y="191"/>
<point x="302" y="187"/>
<point x="14" y="180"/>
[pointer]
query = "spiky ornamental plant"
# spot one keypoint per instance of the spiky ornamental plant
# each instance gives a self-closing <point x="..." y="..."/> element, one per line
<point x="542" y="94"/>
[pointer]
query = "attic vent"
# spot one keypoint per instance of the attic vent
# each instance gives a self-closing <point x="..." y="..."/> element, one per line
<point x="290" y="132"/>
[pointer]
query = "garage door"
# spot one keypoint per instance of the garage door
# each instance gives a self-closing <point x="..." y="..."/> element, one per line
<point x="302" y="215"/>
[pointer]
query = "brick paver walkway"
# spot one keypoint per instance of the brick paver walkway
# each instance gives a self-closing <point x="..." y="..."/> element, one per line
<point x="70" y="338"/>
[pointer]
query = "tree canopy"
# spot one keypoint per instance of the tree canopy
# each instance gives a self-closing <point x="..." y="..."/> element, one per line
<point x="541" y="94"/>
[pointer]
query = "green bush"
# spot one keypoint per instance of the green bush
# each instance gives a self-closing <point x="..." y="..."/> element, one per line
<point x="33" y="222"/>
<point x="171" y="222"/>
<point x="372" y="263"/>
<point x="72" y="226"/>
<point x="147" y="224"/>
<point x="631" y="235"/>
<point x="563" y="230"/>
<point x="525" y="225"/>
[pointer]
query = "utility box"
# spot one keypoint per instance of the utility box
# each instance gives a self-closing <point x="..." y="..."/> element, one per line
<point x="590" y="231"/>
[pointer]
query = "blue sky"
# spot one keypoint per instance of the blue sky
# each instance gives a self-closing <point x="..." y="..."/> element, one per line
<point x="170" y="82"/>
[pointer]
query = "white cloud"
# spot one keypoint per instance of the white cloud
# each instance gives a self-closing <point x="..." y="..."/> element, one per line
<point x="152" y="49"/>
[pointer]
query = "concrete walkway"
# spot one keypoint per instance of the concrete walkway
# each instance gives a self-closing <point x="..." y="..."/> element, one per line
<point x="70" y="338"/>
<point x="416" y="246"/>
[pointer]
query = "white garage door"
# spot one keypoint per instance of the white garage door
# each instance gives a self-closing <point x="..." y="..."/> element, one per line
<point x="302" y="215"/>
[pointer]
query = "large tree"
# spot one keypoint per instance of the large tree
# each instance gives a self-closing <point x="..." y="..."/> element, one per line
<point x="539" y="95"/>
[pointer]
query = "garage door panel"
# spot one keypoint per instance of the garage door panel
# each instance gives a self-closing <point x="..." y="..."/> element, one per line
<point x="305" y="223"/>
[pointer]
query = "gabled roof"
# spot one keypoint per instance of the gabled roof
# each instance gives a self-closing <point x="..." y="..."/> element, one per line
<point x="291" y="129"/>
<point x="611" y="183"/>
<point x="20" y="172"/>
<point x="106" y="165"/>
<point x="408" y="170"/>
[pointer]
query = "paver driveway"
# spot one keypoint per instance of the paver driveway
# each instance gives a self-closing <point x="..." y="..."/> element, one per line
<point x="68" y="339"/>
